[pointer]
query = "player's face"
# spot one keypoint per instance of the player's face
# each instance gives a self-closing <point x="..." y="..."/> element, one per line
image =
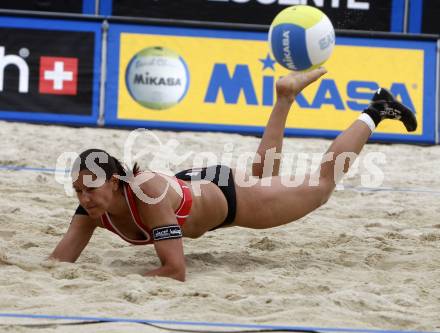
<point x="94" y="194"/>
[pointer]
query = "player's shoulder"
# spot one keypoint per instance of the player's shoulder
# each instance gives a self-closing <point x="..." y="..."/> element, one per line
<point x="152" y="187"/>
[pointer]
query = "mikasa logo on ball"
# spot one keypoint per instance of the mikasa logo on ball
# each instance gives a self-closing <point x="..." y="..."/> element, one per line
<point x="301" y="38"/>
<point x="286" y="49"/>
<point x="157" y="78"/>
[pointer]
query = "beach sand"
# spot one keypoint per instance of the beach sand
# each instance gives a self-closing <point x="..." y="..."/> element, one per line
<point x="366" y="259"/>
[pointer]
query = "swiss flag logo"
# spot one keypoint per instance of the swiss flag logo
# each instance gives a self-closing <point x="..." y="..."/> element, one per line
<point x="58" y="76"/>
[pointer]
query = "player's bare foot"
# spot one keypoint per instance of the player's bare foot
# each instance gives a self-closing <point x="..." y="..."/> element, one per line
<point x="289" y="86"/>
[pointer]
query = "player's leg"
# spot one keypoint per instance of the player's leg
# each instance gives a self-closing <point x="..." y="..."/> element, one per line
<point x="263" y="206"/>
<point x="267" y="161"/>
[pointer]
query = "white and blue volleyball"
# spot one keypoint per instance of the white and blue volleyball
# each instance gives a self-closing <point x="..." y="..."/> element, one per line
<point x="157" y="78"/>
<point x="301" y="38"/>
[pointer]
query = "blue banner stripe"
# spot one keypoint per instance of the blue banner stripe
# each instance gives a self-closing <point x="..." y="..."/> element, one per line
<point x="105" y="7"/>
<point x="415" y="16"/>
<point x="88" y="7"/>
<point x="397" y="15"/>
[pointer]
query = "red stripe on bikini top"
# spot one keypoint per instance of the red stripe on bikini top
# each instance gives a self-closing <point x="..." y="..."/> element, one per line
<point x="185" y="205"/>
<point x="128" y="193"/>
<point x="134" y="211"/>
<point x="181" y="213"/>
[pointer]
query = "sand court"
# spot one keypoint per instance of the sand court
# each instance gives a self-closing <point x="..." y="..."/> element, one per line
<point x="369" y="258"/>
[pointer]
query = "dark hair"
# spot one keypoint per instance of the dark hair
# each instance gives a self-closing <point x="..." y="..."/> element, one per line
<point x="111" y="166"/>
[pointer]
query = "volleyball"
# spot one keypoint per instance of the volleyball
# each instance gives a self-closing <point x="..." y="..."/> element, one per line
<point x="301" y="38"/>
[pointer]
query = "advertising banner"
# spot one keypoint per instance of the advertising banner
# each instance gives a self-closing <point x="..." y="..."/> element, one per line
<point x="384" y="15"/>
<point x="197" y="79"/>
<point x="49" y="70"/>
<point x="71" y="6"/>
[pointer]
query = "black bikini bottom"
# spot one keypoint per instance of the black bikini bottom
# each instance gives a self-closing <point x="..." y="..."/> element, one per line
<point x="220" y="175"/>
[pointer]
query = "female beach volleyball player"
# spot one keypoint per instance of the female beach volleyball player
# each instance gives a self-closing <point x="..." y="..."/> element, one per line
<point x="120" y="205"/>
